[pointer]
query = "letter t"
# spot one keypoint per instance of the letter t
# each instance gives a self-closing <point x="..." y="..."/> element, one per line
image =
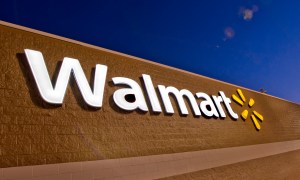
<point x="227" y="102"/>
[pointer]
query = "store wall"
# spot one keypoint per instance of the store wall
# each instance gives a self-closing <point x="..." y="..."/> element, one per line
<point x="34" y="132"/>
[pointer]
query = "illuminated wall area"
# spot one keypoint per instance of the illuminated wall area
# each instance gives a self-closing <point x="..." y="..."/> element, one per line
<point x="70" y="110"/>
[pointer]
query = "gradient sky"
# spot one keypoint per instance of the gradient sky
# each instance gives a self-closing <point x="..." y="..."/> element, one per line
<point x="254" y="44"/>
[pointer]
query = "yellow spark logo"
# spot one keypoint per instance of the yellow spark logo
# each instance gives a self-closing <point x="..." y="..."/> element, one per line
<point x="241" y="100"/>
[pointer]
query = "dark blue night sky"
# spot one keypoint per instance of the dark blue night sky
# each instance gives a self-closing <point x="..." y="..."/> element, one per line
<point x="254" y="44"/>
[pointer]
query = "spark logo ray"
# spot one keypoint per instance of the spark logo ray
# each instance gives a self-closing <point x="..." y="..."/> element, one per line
<point x="255" y="116"/>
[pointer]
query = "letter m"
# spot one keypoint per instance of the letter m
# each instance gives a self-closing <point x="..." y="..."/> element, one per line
<point x="165" y="91"/>
<point x="54" y="94"/>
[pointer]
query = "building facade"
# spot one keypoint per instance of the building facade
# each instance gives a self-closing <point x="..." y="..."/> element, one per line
<point x="70" y="110"/>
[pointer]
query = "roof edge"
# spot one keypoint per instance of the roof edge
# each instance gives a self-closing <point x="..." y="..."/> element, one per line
<point x="126" y="55"/>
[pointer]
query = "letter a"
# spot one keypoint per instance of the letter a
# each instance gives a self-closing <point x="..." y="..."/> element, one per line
<point x="135" y="89"/>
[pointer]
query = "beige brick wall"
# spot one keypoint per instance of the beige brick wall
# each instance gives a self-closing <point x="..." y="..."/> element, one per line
<point x="36" y="133"/>
<point x="282" y="166"/>
<point x="253" y="159"/>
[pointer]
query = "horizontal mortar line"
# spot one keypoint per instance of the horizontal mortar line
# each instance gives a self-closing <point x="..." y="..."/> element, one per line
<point x="159" y="166"/>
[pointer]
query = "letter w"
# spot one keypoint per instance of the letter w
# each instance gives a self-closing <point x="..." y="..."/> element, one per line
<point x="56" y="95"/>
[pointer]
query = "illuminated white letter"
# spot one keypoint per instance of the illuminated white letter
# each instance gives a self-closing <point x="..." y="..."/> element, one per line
<point x="135" y="89"/>
<point x="164" y="92"/>
<point x="56" y="95"/>
<point x="218" y="100"/>
<point x="207" y="103"/>
<point x="227" y="102"/>
<point x="151" y="93"/>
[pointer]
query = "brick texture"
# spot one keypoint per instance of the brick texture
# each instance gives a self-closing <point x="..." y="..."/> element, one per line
<point x="35" y="133"/>
<point x="230" y="163"/>
<point x="282" y="166"/>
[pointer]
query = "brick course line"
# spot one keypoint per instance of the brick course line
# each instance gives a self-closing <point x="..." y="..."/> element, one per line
<point x="155" y="166"/>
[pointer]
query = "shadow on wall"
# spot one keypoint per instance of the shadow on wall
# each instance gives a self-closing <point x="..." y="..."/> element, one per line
<point x="34" y="92"/>
<point x="38" y="101"/>
<point x="129" y="98"/>
<point x="30" y="82"/>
